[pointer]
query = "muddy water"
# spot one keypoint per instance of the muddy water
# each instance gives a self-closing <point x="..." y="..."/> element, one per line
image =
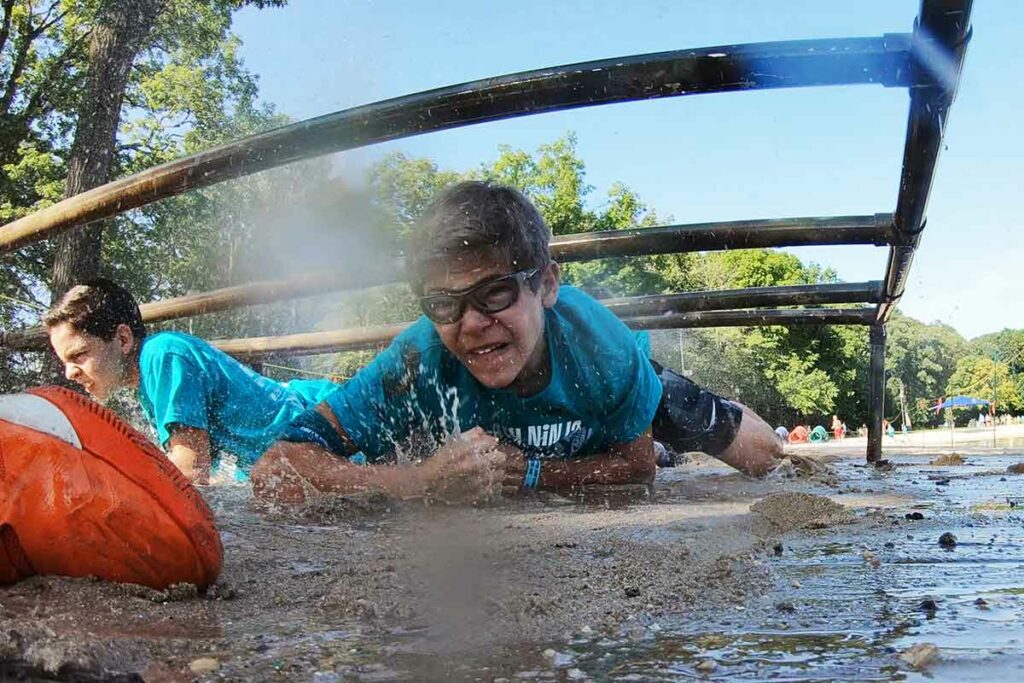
<point x="847" y="601"/>
<point x="692" y="585"/>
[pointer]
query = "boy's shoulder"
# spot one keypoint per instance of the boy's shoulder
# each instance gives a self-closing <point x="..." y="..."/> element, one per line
<point x="168" y="341"/>
<point x="160" y="344"/>
<point x="597" y="353"/>
<point x="585" y="321"/>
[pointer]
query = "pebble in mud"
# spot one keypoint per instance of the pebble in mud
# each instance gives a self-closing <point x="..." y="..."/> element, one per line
<point x="947" y="540"/>
<point x="914" y="515"/>
<point x="920" y="656"/>
<point x="1016" y="468"/>
<point x="204" y="665"/>
<point x="707" y="666"/>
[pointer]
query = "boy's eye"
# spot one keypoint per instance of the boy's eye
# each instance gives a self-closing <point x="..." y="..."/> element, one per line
<point x="443" y="307"/>
<point x="499" y="295"/>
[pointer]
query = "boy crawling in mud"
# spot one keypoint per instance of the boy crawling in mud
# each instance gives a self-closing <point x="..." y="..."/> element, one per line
<point x="509" y="380"/>
<point x="206" y="407"/>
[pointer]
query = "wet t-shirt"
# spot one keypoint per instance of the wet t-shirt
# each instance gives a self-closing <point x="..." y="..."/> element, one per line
<point x="603" y="390"/>
<point x="186" y="381"/>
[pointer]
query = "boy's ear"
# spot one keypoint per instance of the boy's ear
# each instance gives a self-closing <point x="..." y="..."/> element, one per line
<point x="549" y="284"/>
<point x="125" y="337"/>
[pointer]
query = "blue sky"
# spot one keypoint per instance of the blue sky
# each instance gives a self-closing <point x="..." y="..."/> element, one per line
<point x="798" y="152"/>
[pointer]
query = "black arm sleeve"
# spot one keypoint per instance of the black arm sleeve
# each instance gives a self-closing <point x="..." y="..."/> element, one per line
<point x="692" y="419"/>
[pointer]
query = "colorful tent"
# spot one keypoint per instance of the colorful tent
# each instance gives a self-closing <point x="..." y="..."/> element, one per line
<point x="960" y="402"/>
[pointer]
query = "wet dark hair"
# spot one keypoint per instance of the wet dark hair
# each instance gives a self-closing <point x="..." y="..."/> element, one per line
<point x="97" y="307"/>
<point x="478" y="219"/>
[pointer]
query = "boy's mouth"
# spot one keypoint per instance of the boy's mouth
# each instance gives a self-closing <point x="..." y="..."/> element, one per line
<point x="484" y="350"/>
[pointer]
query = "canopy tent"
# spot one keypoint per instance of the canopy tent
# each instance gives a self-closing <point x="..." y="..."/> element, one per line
<point x="961" y="402"/>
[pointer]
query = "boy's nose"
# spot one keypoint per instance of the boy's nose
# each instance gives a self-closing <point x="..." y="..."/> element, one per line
<point x="71" y="371"/>
<point x="473" y="320"/>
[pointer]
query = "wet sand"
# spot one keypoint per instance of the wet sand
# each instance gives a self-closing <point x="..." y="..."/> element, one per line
<point x="364" y="590"/>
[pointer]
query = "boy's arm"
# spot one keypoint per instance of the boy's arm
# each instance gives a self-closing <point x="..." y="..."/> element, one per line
<point x="756" y="449"/>
<point x="628" y="463"/>
<point x="189" y="449"/>
<point x="467" y="469"/>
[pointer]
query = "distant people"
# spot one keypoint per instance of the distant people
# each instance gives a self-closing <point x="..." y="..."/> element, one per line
<point x="862" y="431"/>
<point x="782" y="432"/>
<point x="510" y="381"/>
<point x="207" y="408"/>
<point x="838" y="428"/>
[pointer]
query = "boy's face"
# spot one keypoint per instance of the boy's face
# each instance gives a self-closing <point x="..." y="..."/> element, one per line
<point x="503" y="350"/>
<point x="101" y="367"/>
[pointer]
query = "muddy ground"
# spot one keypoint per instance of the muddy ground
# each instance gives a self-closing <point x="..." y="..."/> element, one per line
<point x="536" y="588"/>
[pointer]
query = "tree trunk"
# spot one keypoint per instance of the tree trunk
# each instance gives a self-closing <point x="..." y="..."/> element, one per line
<point x="903" y="406"/>
<point x="121" y="31"/>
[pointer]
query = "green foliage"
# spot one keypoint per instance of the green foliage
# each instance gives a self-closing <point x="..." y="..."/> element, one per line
<point x="187" y="90"/>
<point x="982" y="377"/>
<point x="922" y="357"/>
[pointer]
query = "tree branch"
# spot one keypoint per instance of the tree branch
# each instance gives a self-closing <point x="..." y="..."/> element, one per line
<point x="5" y="27"/>
<point x="57" y="66"/>
<point x="24" y="43"/>
<point x="42" y="28"/>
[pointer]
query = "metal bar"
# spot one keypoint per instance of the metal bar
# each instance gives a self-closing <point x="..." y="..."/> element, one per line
<point x="796" y="295"/>
<point x="787" y="232"/>
<point x="752" y="318"/>
<point x="940" y="43"/>
<point x="350" y="340"/>
<point x="876" y="393"/>
<point x="748" y="234"/>
<point x="790" y="64"/>
<point x="753" y="297"/>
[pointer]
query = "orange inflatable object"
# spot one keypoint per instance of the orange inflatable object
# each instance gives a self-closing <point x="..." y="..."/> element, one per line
<point x="799" y="434"/>
<point x="84" y="494"/>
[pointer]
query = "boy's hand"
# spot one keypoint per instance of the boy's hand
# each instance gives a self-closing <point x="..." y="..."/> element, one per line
<point x="515" y="468"/>
<point x="468" y="469"/>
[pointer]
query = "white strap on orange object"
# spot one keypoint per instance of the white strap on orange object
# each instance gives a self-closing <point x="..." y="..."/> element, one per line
<point x="39" y="414"/>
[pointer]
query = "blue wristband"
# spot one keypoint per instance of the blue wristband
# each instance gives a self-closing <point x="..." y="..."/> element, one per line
<point x="532" y="476"/>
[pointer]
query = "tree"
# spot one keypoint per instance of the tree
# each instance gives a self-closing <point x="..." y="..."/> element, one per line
<point x="186" y="90"/>
<point x="919" y="362"/>
<point x="983" y="377"/>
<point x="121" y="30"/>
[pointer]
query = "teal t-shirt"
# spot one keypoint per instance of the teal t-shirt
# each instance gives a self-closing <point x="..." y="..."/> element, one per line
<point x="603" y="390"/>
<point x="186" y="381"/>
